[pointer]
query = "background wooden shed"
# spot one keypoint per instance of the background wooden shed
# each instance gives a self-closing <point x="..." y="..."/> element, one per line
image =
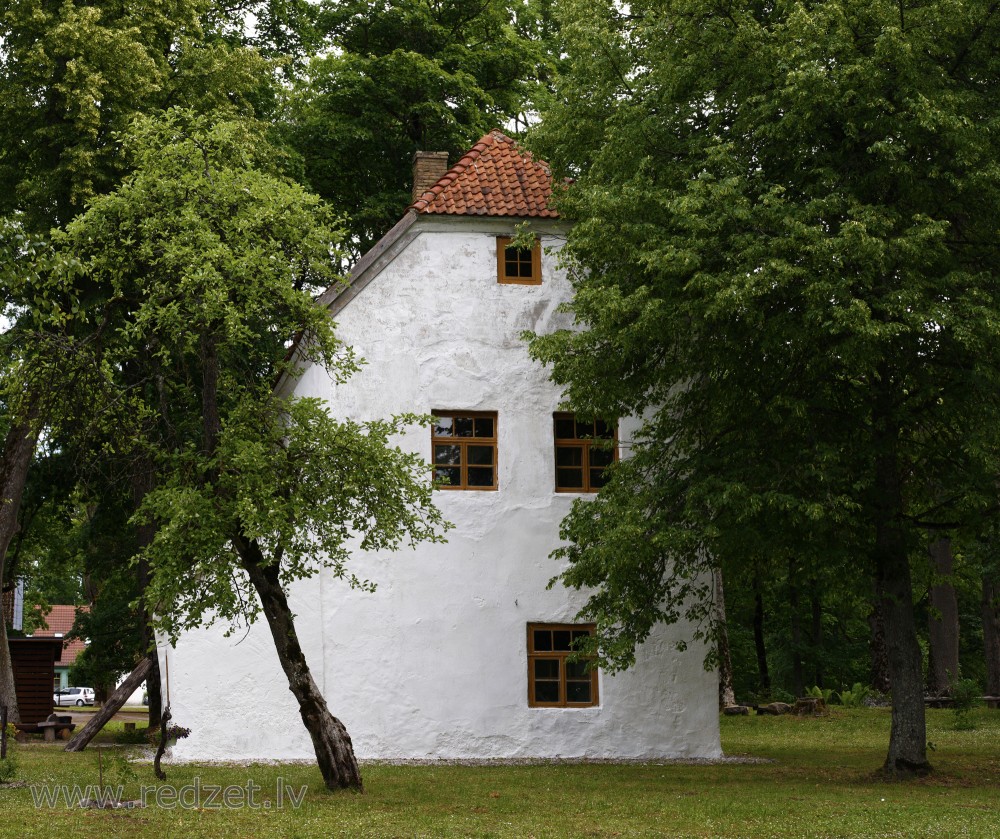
<point x="34" y="669"/>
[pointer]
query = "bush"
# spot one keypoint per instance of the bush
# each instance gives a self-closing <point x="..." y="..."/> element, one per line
<point x="816" y="692"/>
<point x="965" y="693"/>
<point x="8" y="767"/>
<point x="855" y="697"/>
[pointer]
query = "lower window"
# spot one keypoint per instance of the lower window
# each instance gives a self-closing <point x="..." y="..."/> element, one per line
<point x="554" y="681"/>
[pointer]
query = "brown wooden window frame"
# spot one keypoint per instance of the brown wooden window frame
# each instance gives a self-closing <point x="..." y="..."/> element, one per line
<point x="583" y="444"/>
<point x="565" y="677"/>
<point x="503" y="245"/>
<point x="464" y="442"/>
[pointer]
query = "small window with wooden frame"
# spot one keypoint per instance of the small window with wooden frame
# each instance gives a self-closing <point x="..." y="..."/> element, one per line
<point x="518" y="266"/>
<point x="557" y="677"/>
<point x="583" y="451"/>
<point x="464" y="449"/>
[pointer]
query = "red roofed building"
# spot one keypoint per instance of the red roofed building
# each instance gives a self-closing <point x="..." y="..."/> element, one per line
<point x="60" y="622"/>
<point x="463" y="650"/>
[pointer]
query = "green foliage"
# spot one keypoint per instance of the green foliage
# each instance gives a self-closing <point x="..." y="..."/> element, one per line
<point x="214" y="260"/>
<point x="72" y="76"/>
<point x="855" y="697"/>
<point x="966" y="695"/>
<point x="816" y="692"/>
<point x="404" y="75"/>
<point x="784" y="261"/>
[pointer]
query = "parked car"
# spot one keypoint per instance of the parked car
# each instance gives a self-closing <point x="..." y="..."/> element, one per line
<point x="73" y="696"/>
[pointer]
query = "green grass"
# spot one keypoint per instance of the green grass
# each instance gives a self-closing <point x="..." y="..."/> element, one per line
<point x="821" y="783"/>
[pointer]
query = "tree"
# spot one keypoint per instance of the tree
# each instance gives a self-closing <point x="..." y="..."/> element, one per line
<point x="71" y="79"/>
<point x="213" y="259"/>
<point x="405" y="75"/>
<point x="785" y="258"/>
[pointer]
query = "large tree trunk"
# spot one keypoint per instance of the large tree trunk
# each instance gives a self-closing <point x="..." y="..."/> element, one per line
<point x="817" y="636"/>
<point x="876" y="648"/>
<point x="991" y="633"/>
<point x="907" y="754"/>
<point x="795" y="617"/>
<point x="727" y="696"/>
<point x="18" y="450"/>
<point x="331" y="742"/>
<point x="943" y="623"/>
<point x="109" y="708"/>
<point x="758" y="635"/>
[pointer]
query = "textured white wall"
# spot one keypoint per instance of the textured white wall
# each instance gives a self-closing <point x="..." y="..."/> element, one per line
<point x="434" y="663"/>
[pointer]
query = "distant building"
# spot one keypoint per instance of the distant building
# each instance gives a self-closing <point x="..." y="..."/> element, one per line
<point x="60" y="622"/>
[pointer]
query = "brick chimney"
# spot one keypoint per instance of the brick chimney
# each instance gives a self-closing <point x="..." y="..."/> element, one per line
<point x="428" y="167"/>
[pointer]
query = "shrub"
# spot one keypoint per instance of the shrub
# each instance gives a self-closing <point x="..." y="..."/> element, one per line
<point x="855" y="697"/>
<point x="965" y="693"/>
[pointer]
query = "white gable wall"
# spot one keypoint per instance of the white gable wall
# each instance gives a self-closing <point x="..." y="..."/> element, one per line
<point x="434" y="663"/>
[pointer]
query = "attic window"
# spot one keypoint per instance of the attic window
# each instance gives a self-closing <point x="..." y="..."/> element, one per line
<point x="518" y="266"/>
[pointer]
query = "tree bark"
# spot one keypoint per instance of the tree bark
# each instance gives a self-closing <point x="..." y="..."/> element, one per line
<point x="143" y="480"/>
<point x="727" y="696"/>
<point x="798" y="676"/>
<point x="19" y="448"/>
<point x="817" y="637"/>
<point x="879" y="656"/>
<point x="991" y="633"/>
<point x="907" y="754"/>
<point x="943" y="623"/>
<point x="758" y="635"/>
<point x="109" y="708"/>
<point x="331" y="742"/>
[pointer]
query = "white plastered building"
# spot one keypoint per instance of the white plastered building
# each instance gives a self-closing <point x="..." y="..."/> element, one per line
<point x="461" y="650"/>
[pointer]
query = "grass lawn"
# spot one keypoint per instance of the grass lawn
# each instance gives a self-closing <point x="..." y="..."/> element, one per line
<point x="821" y="783"/>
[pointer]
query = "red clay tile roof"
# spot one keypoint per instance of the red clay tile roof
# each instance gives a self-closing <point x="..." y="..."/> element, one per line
<point x="494" y="178"/>
<point x="60" y="620"/>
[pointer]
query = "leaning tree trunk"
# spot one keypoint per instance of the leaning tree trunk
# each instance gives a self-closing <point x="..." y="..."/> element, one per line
<point x="331" y="742"/>
<point x="110" y="707"/>
<point x="907" y="754"/>
<point x="943" y="623"/>
<point x="727" y="695"/>
<point x="991" y="633"/>
<point x="18" y="450"/>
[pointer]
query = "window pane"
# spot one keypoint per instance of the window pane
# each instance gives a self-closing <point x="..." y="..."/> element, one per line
<point x="510" y="268"/>
<point x="546" y="668"/>
<point x="450" y="475"/>
<point x="484" y="427"/>
<point x="442" y="427"/>
<point x="569" y="456"/>
<point x="546" y="691"/>
<point x="584" y="429"/>
<point x="569" y="478"/>
<point x="561" y="639"/>
<point x="480" y="455"/>
<point x="597" y="478"/>
<point x="579" y="633"/>
<point x="480" y="476"/>
<point x="601" y="457"/>
<point x="542" y="639"/>
<point x="604" y="430"/>
<point x="578" y="691"/>
<point x="447" y="454"/>
<point x="577" y="670"/>
<point x="565" y="428"/>
<point x="463" y="427"/>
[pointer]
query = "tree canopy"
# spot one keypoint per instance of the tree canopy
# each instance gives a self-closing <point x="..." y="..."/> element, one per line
<point x="785" y="260"/>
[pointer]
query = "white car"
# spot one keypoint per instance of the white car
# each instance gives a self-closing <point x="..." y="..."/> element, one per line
<point x="73" y="696"/>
